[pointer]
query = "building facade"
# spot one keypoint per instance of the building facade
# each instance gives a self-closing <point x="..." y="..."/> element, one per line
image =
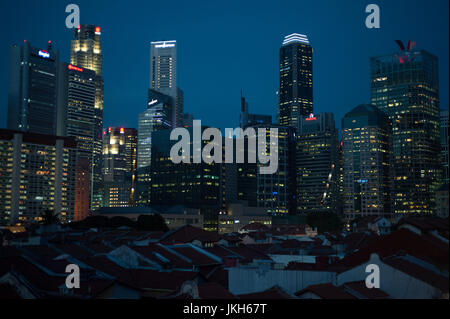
<point x="119" y="166"/>
<point x="37" y="173"/>
<point x="194" y="185"/>
<point x="405" y="87"/>
<point x="366" y="134"/>
<point x="317" y="164"/>
<point x="444" y="144"/>
<point x="76" y="99"/>
<point x="163" y="76"/>
<point x="32" y="95"/>
<point x="157" y="117"/>
<point x="295" y="95"/>
<point x="86" y="53"/>
<point x="276" y="192"/>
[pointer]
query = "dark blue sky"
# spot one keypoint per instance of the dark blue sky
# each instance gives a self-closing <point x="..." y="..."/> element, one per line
<point x="224" y="46"/>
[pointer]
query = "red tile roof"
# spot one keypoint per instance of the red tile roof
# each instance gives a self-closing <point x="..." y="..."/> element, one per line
<point x="416" y="271"/>
<point x="272" y="293"/>
<point x="197" y="258"/>
<point x="399" y="241"/>
<point x="326" y="291"/>
<point x="213" y="290"/>
<point x="359" y="288"/>
<point x="189" y="233"/>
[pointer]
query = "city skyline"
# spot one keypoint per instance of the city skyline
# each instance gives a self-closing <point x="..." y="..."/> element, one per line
<point x="260" y="82"/>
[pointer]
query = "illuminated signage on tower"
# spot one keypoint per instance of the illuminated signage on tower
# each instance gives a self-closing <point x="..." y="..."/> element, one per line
<point x="44" y="54"/>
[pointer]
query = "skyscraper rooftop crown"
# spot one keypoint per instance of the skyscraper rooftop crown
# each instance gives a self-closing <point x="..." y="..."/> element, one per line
<point x="295" y="38"/>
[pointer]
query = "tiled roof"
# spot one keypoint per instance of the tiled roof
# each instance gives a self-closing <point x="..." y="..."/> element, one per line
<point x="360" y="290"/>
<point x="197" y="258"/>
<point x="401" y="240"/>
<point x="187" y="234"/>
<point x="326" y="291"/>
<point x="272" y="293"/>
<point x="213" y="290"/>
<point x="418" y="272"/>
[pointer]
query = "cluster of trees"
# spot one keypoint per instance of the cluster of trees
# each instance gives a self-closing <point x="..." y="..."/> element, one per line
<point x="153" y="222"/>
<point x="324" y="221"/>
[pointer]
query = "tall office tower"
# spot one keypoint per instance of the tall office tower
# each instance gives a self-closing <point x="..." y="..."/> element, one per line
<point x="76" y="118"/>
<point x="317" y="164"/>
<point x="295" y="97"/>
<point x="195" y="185"/>
<point x="163" y="76"/>
<point x="32" y="95"/>
<point x="444" y="144"/>
<point x="405" y="87"/>
<point x="119" y="166"/>
<point x="86" y="53"/>
<point x="157" y="117"/>
<point x="247" y="119"/>
<point x="37" y="173"/>
<point x="276" y="192"/>
<point x="366" y="133"/>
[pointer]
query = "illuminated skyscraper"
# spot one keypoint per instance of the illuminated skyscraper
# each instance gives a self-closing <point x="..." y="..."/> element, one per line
<point x="317" y="164"/>
<point x="367" y="157"/>
<point x="86" y="53"/>
<point x="295" y="97"/>
<point x="276" y="192"/>
<point x="157" y="117"/>
<point x="119" y="166"/>
<point x="76" y="99"/>
<point x="32" y="95"/>
<point x="163" y="76"/>
<point x="405" y="87"/>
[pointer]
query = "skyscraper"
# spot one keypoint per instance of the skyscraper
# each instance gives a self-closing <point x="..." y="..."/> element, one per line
<point x="32" y="96"/>
<point x="86" y="53"/>
<point x="444" y="144"/>
<point x="119" y="166"/>
<point x="405" y="87"/>
<point x="37" y="173"/>
<point x="157" y="117"/>
<point x="366" y="134"/>
<point x="295" y="96"/>
<point x="317" y="164"/>
<point x="276" y="192"/>
<point x="76" y="118"/>
<point x="196" y="185"/>
<point x="163" y="76"/>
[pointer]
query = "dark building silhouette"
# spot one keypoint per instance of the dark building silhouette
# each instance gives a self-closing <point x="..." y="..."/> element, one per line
<point x="32" y="95"/>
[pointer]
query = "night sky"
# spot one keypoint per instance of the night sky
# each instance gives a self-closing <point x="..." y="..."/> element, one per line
<point x="226" y="46"/>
